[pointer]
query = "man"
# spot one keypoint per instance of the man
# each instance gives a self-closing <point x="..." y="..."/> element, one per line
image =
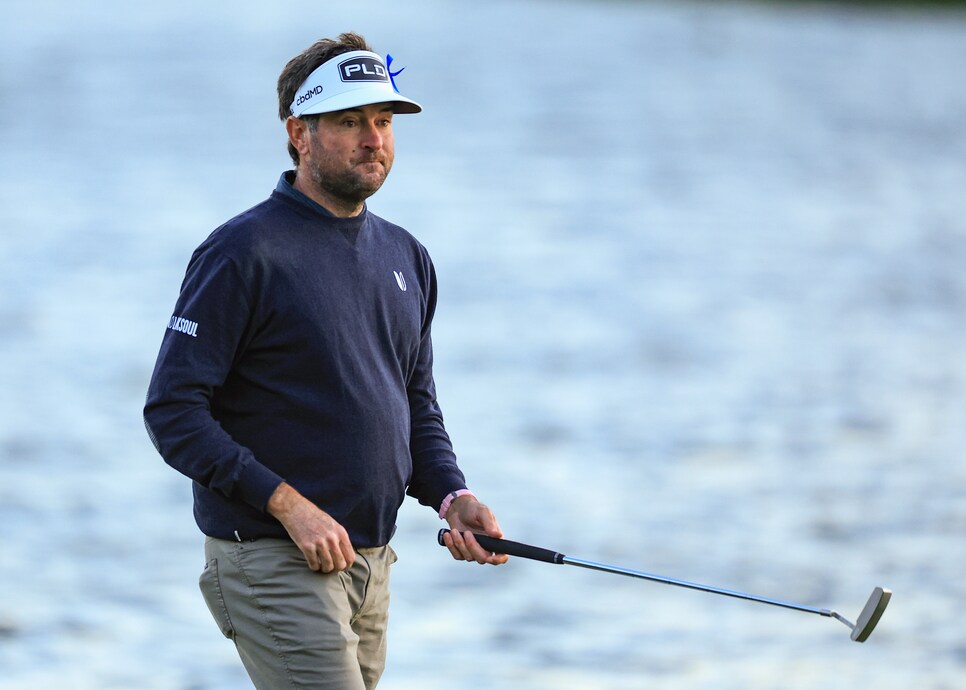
<point x="294" y="385"/>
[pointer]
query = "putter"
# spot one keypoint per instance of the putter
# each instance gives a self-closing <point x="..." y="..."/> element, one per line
<point x="861" y="629"/>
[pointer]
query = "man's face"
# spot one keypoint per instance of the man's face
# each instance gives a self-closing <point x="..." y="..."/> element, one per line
<point x="350" y="153"/>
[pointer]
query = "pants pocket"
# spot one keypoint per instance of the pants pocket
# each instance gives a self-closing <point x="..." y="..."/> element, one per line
<point x="211" y="591"/>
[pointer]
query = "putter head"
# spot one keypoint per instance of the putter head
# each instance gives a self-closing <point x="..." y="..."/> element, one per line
<point x="871" y="614"/>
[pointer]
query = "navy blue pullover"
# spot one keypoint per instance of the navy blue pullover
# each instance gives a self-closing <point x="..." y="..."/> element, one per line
<point x="300" y="351"/>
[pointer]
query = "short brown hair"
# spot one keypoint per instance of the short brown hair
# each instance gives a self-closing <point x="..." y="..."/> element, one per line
<point x="302" y="65"/>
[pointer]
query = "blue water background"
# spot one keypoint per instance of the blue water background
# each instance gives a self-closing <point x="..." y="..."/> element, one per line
<point x="702" y="313"/>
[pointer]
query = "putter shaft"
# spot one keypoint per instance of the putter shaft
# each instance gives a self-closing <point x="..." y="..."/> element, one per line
<point x="567" y="560"/>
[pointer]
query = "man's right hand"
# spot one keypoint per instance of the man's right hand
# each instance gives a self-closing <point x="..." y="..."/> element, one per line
<point x="322" y="540"/>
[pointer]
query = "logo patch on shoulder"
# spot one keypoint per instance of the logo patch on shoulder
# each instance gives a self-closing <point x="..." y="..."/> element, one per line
<point x="182" y="325"/>
<point x="400" y="280"/>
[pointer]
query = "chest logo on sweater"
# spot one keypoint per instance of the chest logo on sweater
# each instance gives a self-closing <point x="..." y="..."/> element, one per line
<point x="400" y="280"/>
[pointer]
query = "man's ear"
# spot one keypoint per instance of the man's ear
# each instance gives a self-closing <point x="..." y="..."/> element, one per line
<point x="298" y="134"/>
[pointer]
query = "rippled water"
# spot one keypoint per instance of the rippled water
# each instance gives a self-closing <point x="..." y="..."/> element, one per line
<point x="703" y="310"/>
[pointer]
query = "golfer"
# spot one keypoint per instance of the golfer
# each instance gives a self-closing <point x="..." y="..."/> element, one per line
<point x="294" y="386"/>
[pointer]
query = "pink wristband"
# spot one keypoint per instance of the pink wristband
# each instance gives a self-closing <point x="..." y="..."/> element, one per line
<point x="450" y="497"/>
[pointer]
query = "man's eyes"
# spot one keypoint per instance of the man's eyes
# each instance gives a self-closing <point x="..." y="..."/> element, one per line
<point x="350" y="123"/>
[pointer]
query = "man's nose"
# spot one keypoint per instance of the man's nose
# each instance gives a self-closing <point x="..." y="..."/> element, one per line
<point x="371" y="137"/>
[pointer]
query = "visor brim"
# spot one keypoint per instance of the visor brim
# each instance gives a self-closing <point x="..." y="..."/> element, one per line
<point x="360" y="97"/>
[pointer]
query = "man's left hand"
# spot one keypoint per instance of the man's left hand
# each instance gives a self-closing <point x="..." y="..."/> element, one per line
<point x="467" y="515"/>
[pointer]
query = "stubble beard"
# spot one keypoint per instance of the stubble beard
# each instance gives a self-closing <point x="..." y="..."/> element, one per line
<point x="348" y="184"/>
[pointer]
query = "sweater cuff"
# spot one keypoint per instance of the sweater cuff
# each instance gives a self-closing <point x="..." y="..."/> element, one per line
<point x="257" y="485"/>
<point x="450" y="497"/>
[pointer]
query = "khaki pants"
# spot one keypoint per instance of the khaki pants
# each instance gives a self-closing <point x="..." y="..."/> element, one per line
<point x="294" y="627"/>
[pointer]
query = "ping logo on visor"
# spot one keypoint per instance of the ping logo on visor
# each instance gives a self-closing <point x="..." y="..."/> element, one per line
<point x="362" y="69"/>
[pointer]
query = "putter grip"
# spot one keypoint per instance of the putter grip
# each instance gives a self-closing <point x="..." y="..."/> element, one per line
<point x="512" y="548"/>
